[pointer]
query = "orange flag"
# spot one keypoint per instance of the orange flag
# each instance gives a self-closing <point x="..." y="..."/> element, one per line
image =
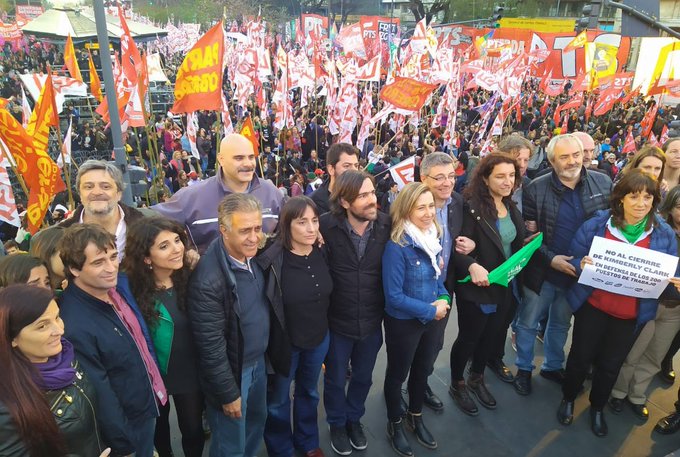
<point x="579" y="41"/>
<point x="248" y="131"/>
<point x="199" y="79"/>
<point x="29" y="148"/>
<point x="95" y="83"/>
<point x="407" y="93"/>
<point x="70" y="60"/>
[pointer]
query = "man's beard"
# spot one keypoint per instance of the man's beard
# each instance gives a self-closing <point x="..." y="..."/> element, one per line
<point x="362" y="218"/>
<point x="101" y="212"/>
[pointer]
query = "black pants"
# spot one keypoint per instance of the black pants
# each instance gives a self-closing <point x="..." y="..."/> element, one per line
<point x="675" y="345"/>
<point x="411" y="347"/>
<point x="441" y="332"/>
<point x="498" y="348"/>
<point x="189" y="409"/>
<point x="477" y="336"/>
<point x="604" y="341"/>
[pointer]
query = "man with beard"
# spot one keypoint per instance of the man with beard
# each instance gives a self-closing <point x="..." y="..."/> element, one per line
<point x="100" y="185"/>
<point x="340" y="158"/>
<point x="355" y="234"/>
<point x="195" y="206"/>
<point x="555" y="204"/>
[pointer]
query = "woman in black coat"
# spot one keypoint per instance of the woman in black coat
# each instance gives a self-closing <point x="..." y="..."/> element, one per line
<point x="492" y="220"/>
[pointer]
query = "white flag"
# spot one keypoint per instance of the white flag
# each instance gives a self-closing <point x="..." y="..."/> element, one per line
<point x="65" y="155"/>
<point x="192" y="131"/>
<point x="404" y="172"/>
<point x="25" y="108"/>
<point x="8" y="207"/>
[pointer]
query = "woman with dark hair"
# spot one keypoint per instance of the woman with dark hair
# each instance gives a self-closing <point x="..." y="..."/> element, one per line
<point x="607" y="324"/>
<point x="45" y="408"/>
<point x="24" y="269"/>
<point x="415" y="297"/>
<point x="157" y="269"/>
<point x="299" y="286"/>
<point x="646" y="357"/>
<point x="493" y="221"/>
<point x="44" y="247"/>
<point x="671" y="149"/>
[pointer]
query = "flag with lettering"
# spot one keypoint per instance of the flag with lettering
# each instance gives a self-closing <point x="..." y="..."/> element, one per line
<point x="199" y="79"/>
<point x="404" y="172"/>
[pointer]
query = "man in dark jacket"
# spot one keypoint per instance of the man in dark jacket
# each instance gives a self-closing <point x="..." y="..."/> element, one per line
<point x="555" y="204"/>
<point x="100" y="185"/>
<point x="111" y="341"/>
<point x="229" y="314"/>
<point x="355" y="234"/>
<point x="340" y="158"/>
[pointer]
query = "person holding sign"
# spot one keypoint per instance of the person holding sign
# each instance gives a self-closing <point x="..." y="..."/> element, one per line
<point x="606" y="324"/>
<point x="492" y="220"/>
<point x="415" y="299"/>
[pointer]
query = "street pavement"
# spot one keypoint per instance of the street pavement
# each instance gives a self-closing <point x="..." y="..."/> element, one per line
<point x="520" y="426"/>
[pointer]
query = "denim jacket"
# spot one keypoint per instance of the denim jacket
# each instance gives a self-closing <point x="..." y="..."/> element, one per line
<point x="409" y="282"/>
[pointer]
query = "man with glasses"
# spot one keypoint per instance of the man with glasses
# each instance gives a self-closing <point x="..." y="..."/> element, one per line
<point x="438" y="173"/>
<point x="339" y="158"/>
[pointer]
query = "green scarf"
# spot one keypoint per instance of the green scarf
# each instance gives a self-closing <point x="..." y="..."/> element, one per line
<point x="633" y="232"/>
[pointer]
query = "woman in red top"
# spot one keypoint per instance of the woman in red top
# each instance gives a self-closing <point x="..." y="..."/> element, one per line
<point x="606" y="324"/>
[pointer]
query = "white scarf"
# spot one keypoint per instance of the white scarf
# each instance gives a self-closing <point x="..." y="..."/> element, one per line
<point x="428" y="241"/>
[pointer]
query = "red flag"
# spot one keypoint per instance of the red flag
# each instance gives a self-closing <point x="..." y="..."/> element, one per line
<point x="95" y="83"/>
<point x="130" y="59"/>
<point x="70" y="60"/>
<point x="664" y="135"/>
<point x="653" y="141"/>
<point x="546" y="103"/>
<point x="199" y="79"/>
<point x="565" y="125"/>
<point x="606" y="101"/>
<point x="629" y="145"/>
<point x="648" y="121"/>
<point x="248" y="131"/>
<point x="407" y="93"/>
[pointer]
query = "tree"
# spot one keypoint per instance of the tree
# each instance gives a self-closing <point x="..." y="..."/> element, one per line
<point x="419" y="10"/>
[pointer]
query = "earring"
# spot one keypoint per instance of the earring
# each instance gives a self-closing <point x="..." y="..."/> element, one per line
<point x="150" y="266"/>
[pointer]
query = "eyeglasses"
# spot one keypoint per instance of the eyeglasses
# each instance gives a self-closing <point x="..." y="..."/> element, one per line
<point x="365" y="195"/>
<point x="441" y="178"/>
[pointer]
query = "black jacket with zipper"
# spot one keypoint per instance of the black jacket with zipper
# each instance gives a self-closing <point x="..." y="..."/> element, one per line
<point x="488" y="253"/>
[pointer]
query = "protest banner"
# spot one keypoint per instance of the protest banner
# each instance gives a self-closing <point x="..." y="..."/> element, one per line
<point x="403" y="172"/>
<point x="506" y="272"/>
<point x="624" y="269"/>
<point x="407" y="93"/>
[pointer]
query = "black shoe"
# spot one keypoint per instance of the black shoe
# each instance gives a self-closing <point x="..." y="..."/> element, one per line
<point x="340" y="441"/>
<point x="565" y="413"/>
<point x="477" y="387"/>
<point x="667" y="374"/>
<point x="432" y="401"/>
<point x="460" y="394"/>
<point x="615" y="404"/>
<point x="502" y="371"/>
<point x="395" y="431"/>
<point x="669" y="424"/>
<point x="640" y="411"/>
<point x="554" y="375"/>
<point x="357" y="438"/>
<point x="414" y="422"/>
<point x="522" y="382"/>
<point x="597" y="423"/>
<point x="403" y="403"/>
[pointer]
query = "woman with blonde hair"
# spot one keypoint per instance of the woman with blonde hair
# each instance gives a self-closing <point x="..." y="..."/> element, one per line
<point x="415" y="297"/>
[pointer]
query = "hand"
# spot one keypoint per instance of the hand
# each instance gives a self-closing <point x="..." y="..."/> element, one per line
<point x="193" y="257"/>
<point x="106" y="452"/>
<point x="586" y="261"/>
<point x="464" y="245"/>
<point x="561" y="264"/>
<point x="479" y="275"/>
<point x="531" y="226"/>
<point x="319" y="239"/>
<point x="529" y="239"/>
<point x="664" y="186"/>
<point x="442" y="309"/>
<point x="675" y="282"/>
<point x="233" y="409"/>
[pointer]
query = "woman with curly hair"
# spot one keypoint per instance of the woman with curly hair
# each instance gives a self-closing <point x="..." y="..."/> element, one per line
<point x="157" y="269"/>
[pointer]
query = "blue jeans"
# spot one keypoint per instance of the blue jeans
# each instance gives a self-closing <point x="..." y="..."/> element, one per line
<point x="143" y="430"/>
<point x="242" y="437"/>
<point x="551" y="302"/>
<point x="349" y="406"/>
<point x="305" y="367"/>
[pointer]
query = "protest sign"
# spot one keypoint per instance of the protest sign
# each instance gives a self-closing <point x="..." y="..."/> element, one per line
<point x="506" y="272"/>
<point x="624" y="269"/>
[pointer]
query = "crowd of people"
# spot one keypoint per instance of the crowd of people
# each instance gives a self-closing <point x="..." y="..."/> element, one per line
<point x="238" y="276"/>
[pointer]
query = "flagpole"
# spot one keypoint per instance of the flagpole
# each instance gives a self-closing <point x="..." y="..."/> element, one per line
<point x="14" y="168"/>
<point x="67" y="168"/>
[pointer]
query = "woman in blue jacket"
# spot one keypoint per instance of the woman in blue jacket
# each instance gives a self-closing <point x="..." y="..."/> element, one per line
<point x="158" y="271"/>
<point x="415" y="297"/>
<point x="606" y="324"/>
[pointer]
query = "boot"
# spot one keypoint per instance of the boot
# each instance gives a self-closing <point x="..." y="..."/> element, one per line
<point x="395" y="430"/>
<point x="522" y="382"/>
<point x="597" y="423"/>
<point x="414" y="422"/>
<point x="459" y="392"/>
<point x="565" y="413"/>
<point x="475" y="384"/>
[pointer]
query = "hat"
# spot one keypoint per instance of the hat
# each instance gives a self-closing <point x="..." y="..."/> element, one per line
<point x="193" y="175"/>
<point x="311" y="176"/>
<point x="318" y="172"/>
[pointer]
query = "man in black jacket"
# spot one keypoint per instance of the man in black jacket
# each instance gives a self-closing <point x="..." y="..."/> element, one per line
<point x="229" y="314"/>
<point x="355" y="234"/>
<point x="340" y="158"/>
<point x="555" y="204"/>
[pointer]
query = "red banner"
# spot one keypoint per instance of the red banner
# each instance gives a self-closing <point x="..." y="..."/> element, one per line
<point x="199" y="79"/>
<point x="407" y="93"/>
<point x="10" y="31"/>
